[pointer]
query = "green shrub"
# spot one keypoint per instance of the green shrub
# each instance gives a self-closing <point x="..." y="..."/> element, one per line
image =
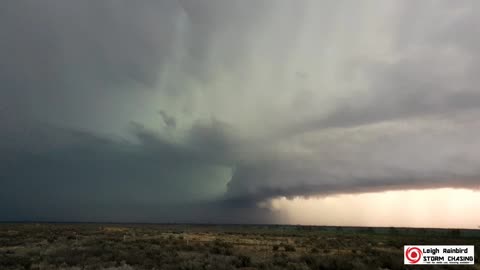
<point x="242" y="261"/>
<point x="280" y="259"/>
<point x="289" y="248"/>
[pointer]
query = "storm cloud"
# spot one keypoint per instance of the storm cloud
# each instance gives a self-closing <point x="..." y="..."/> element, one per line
<point x="198" y="111"/>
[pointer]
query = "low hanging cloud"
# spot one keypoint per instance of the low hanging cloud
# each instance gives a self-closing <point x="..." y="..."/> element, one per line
<point x="157" y="111"/>
<point x="75" y="175"/>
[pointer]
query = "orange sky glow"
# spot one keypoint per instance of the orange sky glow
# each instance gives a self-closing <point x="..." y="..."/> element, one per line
<point x="438" y="208"/>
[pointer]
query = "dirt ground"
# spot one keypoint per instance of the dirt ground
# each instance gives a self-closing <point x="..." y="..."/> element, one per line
<point x="184" y="246"/>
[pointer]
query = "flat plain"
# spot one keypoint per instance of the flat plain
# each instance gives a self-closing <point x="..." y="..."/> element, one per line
<point x="187" y="246"/>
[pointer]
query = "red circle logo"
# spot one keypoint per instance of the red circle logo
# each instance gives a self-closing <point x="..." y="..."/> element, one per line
<point x="413" y="254"/>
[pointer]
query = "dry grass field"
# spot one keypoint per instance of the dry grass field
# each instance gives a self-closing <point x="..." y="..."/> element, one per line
<point x="189" y="247"/>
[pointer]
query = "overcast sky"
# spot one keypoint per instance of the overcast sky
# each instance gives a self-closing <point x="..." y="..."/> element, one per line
<point x="203" y="110"/>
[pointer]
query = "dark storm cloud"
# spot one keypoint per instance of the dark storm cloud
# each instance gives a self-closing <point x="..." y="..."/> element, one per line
<point x="69" y="62"/>
<point x="245" y="188"/>
<point x="74" y="175"/>
<point x="76" y="63"/>
<point x="97" y="41"/>
<point x="232" y="104"/>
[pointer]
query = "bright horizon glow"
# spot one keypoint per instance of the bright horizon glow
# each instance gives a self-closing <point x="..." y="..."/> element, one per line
<point x="406" y="208"/>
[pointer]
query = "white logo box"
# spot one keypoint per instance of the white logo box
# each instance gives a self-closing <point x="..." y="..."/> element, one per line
<point x="450" y="254"/>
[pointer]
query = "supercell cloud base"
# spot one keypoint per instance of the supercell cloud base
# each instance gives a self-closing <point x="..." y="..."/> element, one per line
<point x="213" y="111"/>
